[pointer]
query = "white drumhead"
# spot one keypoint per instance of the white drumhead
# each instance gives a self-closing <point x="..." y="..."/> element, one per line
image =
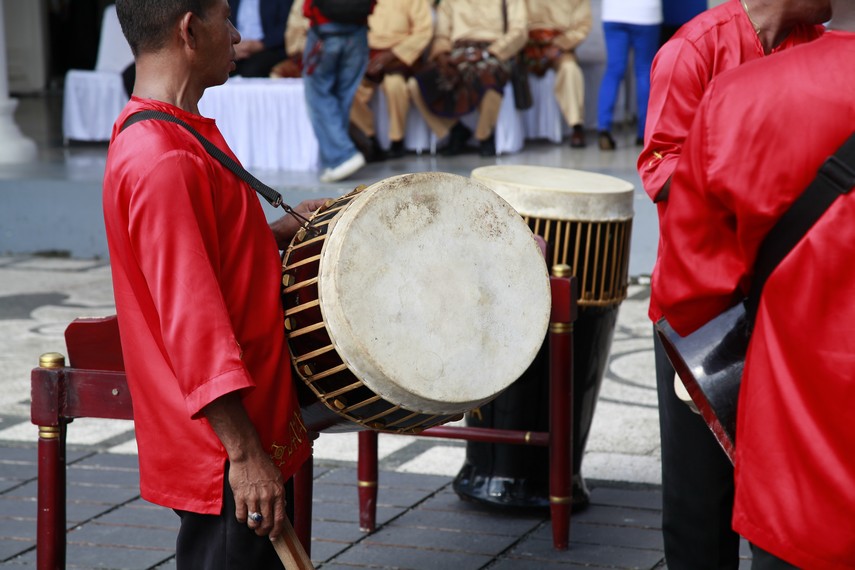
<point x="434" y="292"/>
<point x="559" y="193"/>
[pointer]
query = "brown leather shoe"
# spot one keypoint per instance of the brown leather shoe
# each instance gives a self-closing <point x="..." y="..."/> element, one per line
<point x="577" y="138"/>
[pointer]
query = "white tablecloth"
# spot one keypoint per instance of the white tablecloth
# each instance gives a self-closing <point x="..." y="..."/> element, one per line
<point x="265" y="122"/>
<point x="91" y="103"/>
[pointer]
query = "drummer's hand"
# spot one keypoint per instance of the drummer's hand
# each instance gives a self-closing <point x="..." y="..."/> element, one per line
<point x="285" y="227"/>
<point x="258" y="487"/>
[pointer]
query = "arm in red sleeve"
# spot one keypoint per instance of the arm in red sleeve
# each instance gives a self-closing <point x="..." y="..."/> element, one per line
<point x="173" y="233"/>
<point x="702" y="266"/>
<point x="678" y="79"/>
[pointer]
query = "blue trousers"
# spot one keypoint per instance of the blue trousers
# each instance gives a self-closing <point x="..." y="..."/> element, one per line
<point x="644" y="43"/>
<point x="334" y="62"/>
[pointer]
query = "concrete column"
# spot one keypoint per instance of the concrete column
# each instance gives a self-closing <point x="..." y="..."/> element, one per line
<point x="14" y="146"/>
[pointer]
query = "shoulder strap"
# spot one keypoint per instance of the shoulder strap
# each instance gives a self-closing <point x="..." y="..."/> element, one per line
<point x="271" y="195"/>
<point x="836" y="177"/>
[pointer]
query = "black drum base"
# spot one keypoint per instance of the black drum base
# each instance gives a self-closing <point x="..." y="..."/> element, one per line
<point x="513" y="493"/>
<point x="517" y="476"/>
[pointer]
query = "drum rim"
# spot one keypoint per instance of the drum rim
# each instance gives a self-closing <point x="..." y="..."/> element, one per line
<point x="556" y="203"/>
<point x="335" y="321"/>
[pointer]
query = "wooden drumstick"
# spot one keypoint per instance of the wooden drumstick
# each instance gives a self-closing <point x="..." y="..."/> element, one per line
<point x="291" y="551"/>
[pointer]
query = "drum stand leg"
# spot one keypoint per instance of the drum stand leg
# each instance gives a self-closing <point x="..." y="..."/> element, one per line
<point x="367" y="474"/>
<point x="560" y="431"/>
<point x="303" y="502"/>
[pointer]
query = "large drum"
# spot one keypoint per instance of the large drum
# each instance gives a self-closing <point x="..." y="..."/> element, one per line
<point x="586" y="220"/>
<point x="410" y="302"/>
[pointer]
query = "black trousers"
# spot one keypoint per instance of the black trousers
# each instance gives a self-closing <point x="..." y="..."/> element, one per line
<point x="220" y="542"/>
<point x="259" y="64"/>
<point x="762" y="560"/>
<point x="697" y="484"/>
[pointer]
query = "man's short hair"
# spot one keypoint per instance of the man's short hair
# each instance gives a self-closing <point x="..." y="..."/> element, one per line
<point x="148" y="23"/>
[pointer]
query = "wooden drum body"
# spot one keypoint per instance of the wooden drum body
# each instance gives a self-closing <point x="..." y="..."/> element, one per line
<point x="586" y="220"/>
<point x="584" y="217"/>
<point x="421" y="297"/>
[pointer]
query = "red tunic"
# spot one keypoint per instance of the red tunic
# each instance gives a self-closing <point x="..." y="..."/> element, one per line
<point x="196" y="275"/>
<point x="760" y="136"/>
<point x="715" y="41"/>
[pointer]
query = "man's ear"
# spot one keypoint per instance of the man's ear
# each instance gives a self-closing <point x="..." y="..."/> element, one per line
<point x="187" y="29"/>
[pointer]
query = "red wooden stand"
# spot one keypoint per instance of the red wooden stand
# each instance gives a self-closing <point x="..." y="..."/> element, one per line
<point x="95" y="386"/>
<point x="558" y="439"/>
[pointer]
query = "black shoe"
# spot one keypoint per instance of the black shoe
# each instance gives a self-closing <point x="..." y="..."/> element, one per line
<point x="368" y="146"/>
<point x="581" y="497"/>
<point x="378" y="154"/>
<point x="396" y="150"/>
<point x="606" y="141"/>
<point x="457" y="139"/>
<point x="577" y="138"/>
<point x="487" y="147"/>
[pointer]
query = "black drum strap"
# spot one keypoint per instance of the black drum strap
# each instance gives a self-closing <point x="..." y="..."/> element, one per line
<point x="836" y="177"/>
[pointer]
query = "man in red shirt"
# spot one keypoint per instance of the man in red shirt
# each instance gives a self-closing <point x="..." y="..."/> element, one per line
<point x="741" y="169"/>
<point x="196" y="275"/>
<point x="697" y="478"/>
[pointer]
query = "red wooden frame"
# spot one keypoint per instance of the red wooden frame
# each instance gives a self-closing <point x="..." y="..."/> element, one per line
<point x="96" y="388"/>
<point x="558" y="439"/>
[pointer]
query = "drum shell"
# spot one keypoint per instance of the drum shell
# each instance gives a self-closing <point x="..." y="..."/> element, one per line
<point x="340" y="395"/>
<point x="584" y="217"/>
<point x="592" y="236"/>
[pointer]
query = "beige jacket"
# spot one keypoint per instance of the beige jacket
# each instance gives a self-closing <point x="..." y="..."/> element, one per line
<point x="571" y="17"/>
<point x="481" y="21"/>
<point x="404" y="26"/>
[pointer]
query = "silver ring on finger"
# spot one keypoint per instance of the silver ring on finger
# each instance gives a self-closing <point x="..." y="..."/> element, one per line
<point x="255" y="517"/>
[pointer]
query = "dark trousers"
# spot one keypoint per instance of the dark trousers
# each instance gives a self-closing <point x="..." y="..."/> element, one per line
<point x="259" y="64"/>
<point x="220" y="542"/>
<point x="697" y="484"/>
<point x="762" y="560"/>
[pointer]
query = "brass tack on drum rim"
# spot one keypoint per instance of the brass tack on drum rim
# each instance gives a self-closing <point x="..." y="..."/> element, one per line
<point x="376" y="425"/>
<point x="301" y="234"/>
<point x="289" y="324"/>
<point x="339" y="403"/>
<point x="287" y="280"/>
<point x="308" y="370"/>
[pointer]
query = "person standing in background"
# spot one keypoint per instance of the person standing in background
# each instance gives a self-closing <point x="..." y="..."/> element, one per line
<point x="334" y="61"/>
<point x="555" y="29"/>
<point x="261" y="24"/>
<point x="627" y="25"/>
<point x="399" y="31"/>
<point x="697" y="477"/>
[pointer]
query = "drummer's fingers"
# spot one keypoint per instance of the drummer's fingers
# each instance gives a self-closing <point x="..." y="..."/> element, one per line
<point x="241" y="511"/>
<point x="278" y="519"/>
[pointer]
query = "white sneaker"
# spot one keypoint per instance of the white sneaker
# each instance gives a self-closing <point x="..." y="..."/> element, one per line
<point x="343" y="170"/>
